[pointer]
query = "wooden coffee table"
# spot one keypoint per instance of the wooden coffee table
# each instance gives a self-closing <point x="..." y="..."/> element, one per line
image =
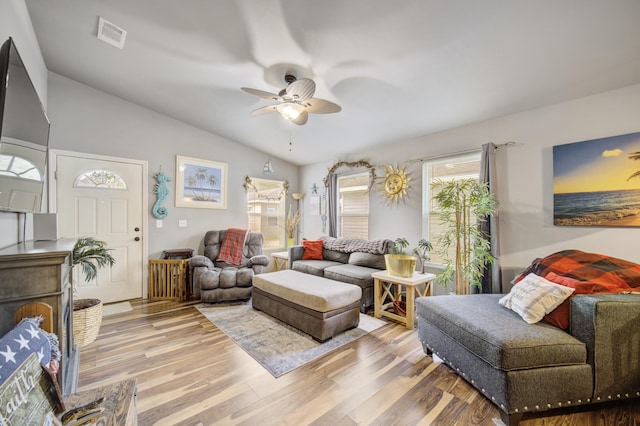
<point x="388" y="288"/>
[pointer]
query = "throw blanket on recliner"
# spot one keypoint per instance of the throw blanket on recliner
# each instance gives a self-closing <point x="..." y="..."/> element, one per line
<point x="346" y="245"/>
<point x="232" y="246"/>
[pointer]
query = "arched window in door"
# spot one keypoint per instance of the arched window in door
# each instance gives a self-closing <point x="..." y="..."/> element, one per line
<point x="100" y="179"/>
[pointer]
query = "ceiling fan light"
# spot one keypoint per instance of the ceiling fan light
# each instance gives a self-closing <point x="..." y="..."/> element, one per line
<point x="290" y="110"/>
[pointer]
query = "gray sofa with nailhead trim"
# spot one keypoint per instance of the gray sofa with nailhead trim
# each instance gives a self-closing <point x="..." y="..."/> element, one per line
<point x="524" y="367"/>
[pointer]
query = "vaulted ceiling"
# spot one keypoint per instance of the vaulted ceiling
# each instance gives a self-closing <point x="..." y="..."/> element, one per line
<point x="399" y="69"/>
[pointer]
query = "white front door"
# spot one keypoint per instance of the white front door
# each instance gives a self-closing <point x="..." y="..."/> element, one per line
<point x="103" y="198"/>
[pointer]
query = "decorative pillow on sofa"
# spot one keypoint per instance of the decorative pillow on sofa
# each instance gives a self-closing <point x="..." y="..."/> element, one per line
<point x="312" y="250"/>
<point x="534" y="297"/>
<point x="560" y="316"/>
<point x="367" y="259"/>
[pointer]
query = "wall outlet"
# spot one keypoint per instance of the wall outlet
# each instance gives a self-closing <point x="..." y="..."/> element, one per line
<point x="158" y="223"/>
<point x="182" y="223"/>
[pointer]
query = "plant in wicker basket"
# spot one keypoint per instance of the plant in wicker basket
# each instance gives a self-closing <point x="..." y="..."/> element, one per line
<point x="90" y="254"/>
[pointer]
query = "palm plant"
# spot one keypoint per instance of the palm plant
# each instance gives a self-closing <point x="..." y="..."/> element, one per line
<point x="634" y="156"/>
<point x="462" y="205"/>
<point x="422" y="252"/>
<point x="91" y="254"/>
<point x="399" y="244"/>
<point x="399" y="263"/>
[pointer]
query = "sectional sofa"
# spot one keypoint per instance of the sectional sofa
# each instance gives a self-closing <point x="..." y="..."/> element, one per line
<point x="527" y="367"/>
<point x="345" y="260"/>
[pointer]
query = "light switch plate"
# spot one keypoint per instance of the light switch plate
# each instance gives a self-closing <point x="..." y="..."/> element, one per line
<point x="182" y="223"/>
<point x="158" y="223"/>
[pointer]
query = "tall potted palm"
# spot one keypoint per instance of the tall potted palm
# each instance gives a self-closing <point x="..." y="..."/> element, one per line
<point x="89" y="254"/>
<point x="461" y="206"/>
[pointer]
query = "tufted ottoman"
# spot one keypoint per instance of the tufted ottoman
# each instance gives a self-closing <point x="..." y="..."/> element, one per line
<point x="315" y="305"/>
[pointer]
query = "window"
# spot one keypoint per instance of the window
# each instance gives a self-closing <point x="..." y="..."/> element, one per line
<point x="266" y="208"/>
<point x="449" y="168"/>
<point x="100" y="179"/>
<point x="353" y="206"/>
<point x="16" y="166"/>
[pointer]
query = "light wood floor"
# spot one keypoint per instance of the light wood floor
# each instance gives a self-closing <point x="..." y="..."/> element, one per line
<point x="190" y="373"/>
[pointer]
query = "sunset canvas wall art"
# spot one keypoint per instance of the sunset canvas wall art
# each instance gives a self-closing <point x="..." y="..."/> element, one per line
<point x="597" y="182"/>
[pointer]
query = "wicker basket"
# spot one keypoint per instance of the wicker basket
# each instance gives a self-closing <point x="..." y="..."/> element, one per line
<point x="87" y="317"/>
<point x="400" y="308"/>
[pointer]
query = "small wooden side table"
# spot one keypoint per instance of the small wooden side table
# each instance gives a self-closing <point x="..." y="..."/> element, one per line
<point x="280" y="260"/>
<point x="388" y="288"/>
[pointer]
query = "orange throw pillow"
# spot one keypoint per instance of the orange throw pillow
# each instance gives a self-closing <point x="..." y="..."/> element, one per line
<point x="561" y="315"/>
<point x="312" y="250"/>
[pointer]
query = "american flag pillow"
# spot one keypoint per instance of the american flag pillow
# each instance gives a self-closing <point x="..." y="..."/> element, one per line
<point x="16" y="346"/>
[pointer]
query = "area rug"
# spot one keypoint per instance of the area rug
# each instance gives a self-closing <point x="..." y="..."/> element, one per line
<point x="116" y="308"/>
<point x="278" y="347"/>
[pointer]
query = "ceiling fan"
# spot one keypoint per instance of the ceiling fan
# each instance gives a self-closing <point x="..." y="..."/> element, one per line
<point x="295" y="101"/>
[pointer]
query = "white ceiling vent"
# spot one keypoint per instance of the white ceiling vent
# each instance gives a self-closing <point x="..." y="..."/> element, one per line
<point x="111" y="33"/>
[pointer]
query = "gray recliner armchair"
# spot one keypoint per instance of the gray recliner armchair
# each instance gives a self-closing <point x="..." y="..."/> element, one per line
<point x="217" y="281"/>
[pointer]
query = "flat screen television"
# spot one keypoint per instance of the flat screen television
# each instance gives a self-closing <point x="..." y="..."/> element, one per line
<point x="24" y="136"/>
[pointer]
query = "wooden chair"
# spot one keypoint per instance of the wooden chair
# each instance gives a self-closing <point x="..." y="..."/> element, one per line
<point x="35" y="309"/>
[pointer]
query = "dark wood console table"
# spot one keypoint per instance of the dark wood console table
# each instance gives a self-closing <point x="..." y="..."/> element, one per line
<point x="41" y="272"/>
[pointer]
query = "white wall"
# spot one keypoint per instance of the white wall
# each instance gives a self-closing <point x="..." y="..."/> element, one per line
<point x="88" y="120"/>
<point x="16" y="23"/>
<point x="525" y="172"/>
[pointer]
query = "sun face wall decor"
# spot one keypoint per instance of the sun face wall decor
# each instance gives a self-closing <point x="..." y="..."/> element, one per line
<point x="394" y="184"/>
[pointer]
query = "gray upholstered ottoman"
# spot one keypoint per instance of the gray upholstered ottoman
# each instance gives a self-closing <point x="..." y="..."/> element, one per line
<point x="315" y="305"/>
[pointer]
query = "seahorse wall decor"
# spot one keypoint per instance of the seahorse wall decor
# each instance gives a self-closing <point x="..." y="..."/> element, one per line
<point x="161" y="190"/>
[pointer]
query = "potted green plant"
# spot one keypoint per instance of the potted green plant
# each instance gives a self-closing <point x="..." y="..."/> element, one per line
<point x="398" y="263"/>
<point x="89" y="254"/>
<point x="461" y="205"/>
<point x="422" y="252"/>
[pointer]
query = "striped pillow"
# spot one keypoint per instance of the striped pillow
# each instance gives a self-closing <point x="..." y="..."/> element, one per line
<point x="534" y="297"/>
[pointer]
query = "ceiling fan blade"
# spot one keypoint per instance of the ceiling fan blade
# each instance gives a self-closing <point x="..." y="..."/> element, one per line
<point x="302" y="89"/>
<point x="261" y="93"/>
<point x="264" y="110"/>
<point x="302" y="118"/>
<point x="322" y="106"/>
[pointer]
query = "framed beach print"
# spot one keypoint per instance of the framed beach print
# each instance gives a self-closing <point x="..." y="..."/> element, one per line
<point x="201" y="183"/>
<point x="597" y="182"/>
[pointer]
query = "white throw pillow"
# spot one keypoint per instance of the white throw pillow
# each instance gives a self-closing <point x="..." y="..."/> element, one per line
<point x="534" y="297"/>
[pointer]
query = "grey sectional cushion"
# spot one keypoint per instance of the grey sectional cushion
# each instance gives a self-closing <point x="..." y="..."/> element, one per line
<point x="367" y="259"/>
<point x="498" y="335"/>
<point x="352" y="274"/>
<point x="335" y="256"/>
<point x="313" y="267"/>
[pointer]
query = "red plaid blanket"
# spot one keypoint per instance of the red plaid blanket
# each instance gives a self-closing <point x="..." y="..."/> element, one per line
<point x="232" y="246"/>
<point x="611" y="275"/>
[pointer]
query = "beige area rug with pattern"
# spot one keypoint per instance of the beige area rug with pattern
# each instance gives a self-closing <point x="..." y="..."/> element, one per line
<point x="277" y="346"/>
